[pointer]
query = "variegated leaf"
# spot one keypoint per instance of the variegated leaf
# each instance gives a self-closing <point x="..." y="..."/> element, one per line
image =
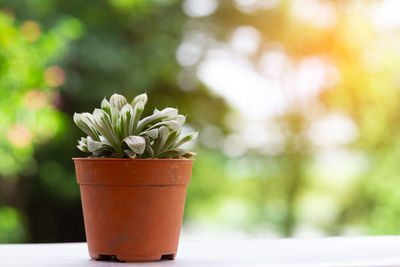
<point x="94" y="146"/>
<point x="136" y="143"/>
<point x="106" y="106"/>
<point x="187" y="138"/>
<point x="126" y="118"/>
<point x="83" y="148"/>
<point x="104" y="126"/>
<point x="173" y="125"/>
<point x="180" y="119"/>
<point x="169" y="112"/>
<point x="172" y="139"/>
<point x="85" y="122"/>
<point x="118" y="101"/>
<point x="137" y="113"/>
<point x="149" y="150"/>
<point x="152" y="134"/>
<point x="140" y="98"/>
<point x="156" y="117"/>
<point x="176" y="153"/>
<point x="159" y="143"/>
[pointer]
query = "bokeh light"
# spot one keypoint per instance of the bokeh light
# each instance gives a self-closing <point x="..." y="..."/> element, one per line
<point x="30" y="31"/>
<point x="203" y="8"/>
<point x="19" y="135"/>
<point x="35" y="100"/>
<point x="54" y="76"/>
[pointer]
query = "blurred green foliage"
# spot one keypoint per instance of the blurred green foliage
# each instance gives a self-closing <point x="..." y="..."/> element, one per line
<point x="28" y="116"/>
<point x="67" y="57"/>
<point x="60" y="57"/>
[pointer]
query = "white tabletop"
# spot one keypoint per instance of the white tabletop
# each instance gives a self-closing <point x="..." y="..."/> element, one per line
<point x="336" y="251"/>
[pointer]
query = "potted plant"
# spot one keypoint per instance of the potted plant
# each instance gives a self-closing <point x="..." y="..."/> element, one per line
<point x="133" y="185"/>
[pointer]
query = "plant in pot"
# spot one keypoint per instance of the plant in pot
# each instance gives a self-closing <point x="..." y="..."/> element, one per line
<point x="133" y="185"/>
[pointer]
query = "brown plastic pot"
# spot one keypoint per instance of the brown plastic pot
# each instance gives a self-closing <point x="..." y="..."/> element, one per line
<point x="133" y="208"/>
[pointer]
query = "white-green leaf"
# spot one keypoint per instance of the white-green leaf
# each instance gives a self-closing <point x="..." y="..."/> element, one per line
<point x="137" y="113"/>
<point x="105" y="105"/>
<point x="172" y="139"/>
<point x="136" y="143"/>
<point x="173" y="125"/>
<point x="83" y="141"/>
<point x="159" y="143"/>
<point x="187" y="138"/>
<point x="126" y="118"/>
<point x="188" y="154"/>
<point x="179" y="118"/>
<point x="115" y="115"/>
<point x="169" y="112"/>
<point x="85" y="122"/>
<point x="175" y="153"/>
<point x="82" y="148"/>
<point x="82" y="144"/>
<point x="104" y="126"/>
<point x="152" y="134"/>
<point x="156" y="117"/>
<point x="118" y="101"/>
<point x="149" y="150"/>
<point x="140" y="98"/>
<point x="94" y="146"/>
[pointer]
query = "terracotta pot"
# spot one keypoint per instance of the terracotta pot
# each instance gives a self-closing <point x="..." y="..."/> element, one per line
<point x="133" y="208"/>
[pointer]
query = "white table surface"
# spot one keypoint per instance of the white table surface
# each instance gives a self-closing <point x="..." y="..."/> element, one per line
<point x="334" y="251"/>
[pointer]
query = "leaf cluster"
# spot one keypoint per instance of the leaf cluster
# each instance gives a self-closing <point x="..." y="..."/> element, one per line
<point x="118" y="130"/>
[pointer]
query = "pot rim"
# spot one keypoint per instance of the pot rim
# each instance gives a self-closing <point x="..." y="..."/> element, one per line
<point x="125" y="159"/>
<point x="132" y="172"/>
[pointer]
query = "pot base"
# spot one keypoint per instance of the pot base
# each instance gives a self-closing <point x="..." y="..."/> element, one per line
<point x="122" y="258"/>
